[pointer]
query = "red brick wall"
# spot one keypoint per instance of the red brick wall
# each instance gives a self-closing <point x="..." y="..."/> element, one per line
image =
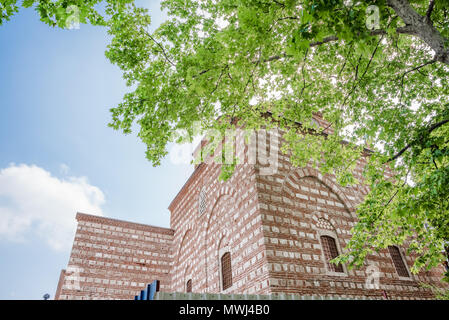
<point x="299" y="205"/>
<point x="231" y="222"/>
<point x="272" y="224"/>
<point x="114" y="259"/>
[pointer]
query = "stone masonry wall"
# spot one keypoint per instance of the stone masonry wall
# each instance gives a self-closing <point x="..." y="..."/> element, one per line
<point x="297" y="206"/>
<point x="230" y="222"/>
<point x="114" y="259"/>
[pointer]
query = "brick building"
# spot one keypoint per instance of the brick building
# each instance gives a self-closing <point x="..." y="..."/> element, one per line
<point x="256" y="233"/>
<point x="113" y="259"/>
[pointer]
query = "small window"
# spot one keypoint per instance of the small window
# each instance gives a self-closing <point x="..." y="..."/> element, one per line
<point x="226" y="271"/>
<point x="398" y="262"/>
<point x="330" y="252"/>
<point x="189" y="285"/>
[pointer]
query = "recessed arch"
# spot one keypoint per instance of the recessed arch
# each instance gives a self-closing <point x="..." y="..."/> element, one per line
<point x="223" y="191"/>
<point x="224" y="197"/>
<point x="294" y="176"/>
<point x="185" y="238"/>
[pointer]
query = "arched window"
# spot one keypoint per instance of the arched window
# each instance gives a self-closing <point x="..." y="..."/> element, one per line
<point x="398" y="262"/>
<point x="189" y="285"/>
<point x="330" y="251"/>
<point x="226" y="271"/>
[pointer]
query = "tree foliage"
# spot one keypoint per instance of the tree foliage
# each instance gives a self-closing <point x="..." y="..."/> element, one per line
<point x="57" y="13"/>
<point x="379" y="84"/>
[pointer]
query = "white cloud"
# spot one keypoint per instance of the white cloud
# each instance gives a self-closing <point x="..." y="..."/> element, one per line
<point x="32" y="201"/>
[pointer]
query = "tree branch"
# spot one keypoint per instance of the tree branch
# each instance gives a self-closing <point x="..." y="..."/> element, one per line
<point x="422" y="27"/>
<point x="411" y="70"/>
<point x="429" y="130"/>
<point x="419" y="67"/>
<point x="279" y="3"/>
<point x="358" y="81"/>
<point x="429" y="10"/>
<point x="402" y="30"/>
<point x="288" y="18"/>
<point x="415" y="25"/>
<point x="160" y="46"/>
<point x="325" y="40"/>
<point x="219" y="79"/>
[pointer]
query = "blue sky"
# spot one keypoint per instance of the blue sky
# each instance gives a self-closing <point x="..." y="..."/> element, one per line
<point x="57" y="154"/>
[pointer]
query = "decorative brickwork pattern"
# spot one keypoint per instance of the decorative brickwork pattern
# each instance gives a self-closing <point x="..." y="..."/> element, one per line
<point x="298" y="206"/>
<point x="324" y="224"/>
<point x="231" y="223"/>
<point x="202" y="201"/>
<point x="113" y="259"/>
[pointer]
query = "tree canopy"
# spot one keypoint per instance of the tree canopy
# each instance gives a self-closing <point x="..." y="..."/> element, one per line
<point x="60" y="13"/>
<point x="377" y="71"/>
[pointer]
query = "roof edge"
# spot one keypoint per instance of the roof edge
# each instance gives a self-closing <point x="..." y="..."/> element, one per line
<point x="93" y="218"/>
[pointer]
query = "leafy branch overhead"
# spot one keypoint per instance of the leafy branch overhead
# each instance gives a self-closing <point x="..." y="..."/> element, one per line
<point x="384" y="86"/>
<point x="56" y="13"/>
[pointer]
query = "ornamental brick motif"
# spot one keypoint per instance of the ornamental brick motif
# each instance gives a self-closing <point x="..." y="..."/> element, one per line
<point x="324" y="224"/>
